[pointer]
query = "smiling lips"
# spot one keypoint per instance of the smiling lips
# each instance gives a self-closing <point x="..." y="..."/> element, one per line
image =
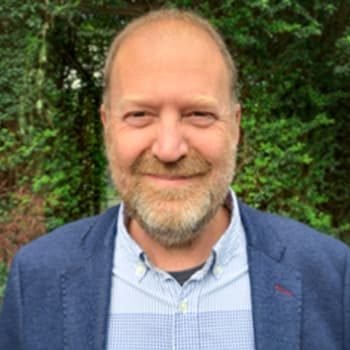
<point x="171" y="179"/>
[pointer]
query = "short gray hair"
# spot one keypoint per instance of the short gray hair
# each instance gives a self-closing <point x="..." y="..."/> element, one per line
<point x="170" y="15"/>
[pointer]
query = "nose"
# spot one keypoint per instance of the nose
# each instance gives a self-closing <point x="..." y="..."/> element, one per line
<point x="169" y="144"/>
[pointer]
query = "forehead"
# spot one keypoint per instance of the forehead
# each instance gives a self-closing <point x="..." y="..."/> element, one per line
<point x="169" y="47"/>
<point x="163" y="32"/>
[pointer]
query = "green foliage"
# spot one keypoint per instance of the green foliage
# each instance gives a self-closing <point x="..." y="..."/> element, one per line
<point x="3" y="279"/>
<point x="278" y="171"/>
<point x="50" y="131"/>
<point x="294" y="63"/>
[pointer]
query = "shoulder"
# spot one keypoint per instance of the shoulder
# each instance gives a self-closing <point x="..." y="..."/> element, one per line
<point x="300" y="244"/>
<point x="64" y="244"/>
<point x="60" y="241"/>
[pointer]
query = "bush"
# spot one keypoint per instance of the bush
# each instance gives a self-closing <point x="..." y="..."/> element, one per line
<point x="3" y="279"/>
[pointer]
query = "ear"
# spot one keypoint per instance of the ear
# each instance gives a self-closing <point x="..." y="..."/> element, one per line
<point x="103" y="115"/>
<point x="237" y="114"/>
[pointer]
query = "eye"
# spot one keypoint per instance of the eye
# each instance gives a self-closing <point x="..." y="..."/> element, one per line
<point x="138" y="118"/>
<point x="200" y="118"/>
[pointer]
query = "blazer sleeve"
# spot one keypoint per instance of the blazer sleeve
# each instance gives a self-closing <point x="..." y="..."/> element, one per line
<point x="10" y="314"/>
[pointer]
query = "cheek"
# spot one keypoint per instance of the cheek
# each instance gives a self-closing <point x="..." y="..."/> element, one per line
<point x="125" y="148"/>
<point x="217" y="148"/>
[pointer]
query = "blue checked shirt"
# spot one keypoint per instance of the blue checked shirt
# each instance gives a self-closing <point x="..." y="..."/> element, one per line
<point x="150" y="310"/>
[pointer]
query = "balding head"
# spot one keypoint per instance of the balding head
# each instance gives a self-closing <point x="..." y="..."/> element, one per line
<point x="165" y="22"/>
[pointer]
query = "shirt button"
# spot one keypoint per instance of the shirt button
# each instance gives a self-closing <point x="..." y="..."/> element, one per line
<point x="217" y="270"/>
<point x="140" y="270"/>
<point x="183" y="306"/>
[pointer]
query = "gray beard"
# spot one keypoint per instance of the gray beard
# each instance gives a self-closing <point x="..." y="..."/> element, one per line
<point x="173" y="219"/>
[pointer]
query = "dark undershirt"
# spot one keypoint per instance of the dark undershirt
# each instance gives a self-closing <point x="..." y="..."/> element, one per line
<point x="184" y="275"/>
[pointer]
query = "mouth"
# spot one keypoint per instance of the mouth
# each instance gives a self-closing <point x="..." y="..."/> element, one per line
<point x="171" y="180"/>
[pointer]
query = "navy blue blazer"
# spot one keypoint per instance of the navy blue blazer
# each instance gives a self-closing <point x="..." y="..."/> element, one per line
<point x="58" y="292"/>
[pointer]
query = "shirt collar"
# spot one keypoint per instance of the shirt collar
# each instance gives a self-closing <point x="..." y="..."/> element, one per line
<point x="227" y="246"/>
<point x="132" y="248"/>
<point x="223" y="251"/>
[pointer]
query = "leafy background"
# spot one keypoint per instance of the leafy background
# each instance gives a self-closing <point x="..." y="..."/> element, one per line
<point x="294" y="63"/>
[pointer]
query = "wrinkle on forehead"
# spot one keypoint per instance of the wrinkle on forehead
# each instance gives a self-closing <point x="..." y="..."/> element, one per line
<point x="196" y="99"/>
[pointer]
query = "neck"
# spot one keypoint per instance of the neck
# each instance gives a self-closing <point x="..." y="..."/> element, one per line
<point x="176" y="259"/>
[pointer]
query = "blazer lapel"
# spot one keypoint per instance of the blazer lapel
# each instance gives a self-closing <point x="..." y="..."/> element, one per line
<point x="86" y="287"/>
<point x="275" y="286"/>
<point x="276" y="298"/>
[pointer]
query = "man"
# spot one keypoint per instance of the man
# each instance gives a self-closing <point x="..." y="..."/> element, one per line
<point x="180" y="264"/>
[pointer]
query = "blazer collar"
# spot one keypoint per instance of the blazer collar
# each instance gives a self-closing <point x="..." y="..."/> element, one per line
<point x="275" y="286"/>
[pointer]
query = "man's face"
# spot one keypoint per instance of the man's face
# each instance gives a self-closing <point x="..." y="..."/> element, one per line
<point x="171" y="130"/>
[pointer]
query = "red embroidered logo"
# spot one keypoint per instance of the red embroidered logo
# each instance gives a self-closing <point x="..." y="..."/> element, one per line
<point x="283" y="290"/>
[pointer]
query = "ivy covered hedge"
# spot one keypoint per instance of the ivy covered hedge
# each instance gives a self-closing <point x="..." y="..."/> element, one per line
<point x="294" y="63"/>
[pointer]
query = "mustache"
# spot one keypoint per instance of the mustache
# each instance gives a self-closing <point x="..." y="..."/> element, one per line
<point x="190" y="165"/>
